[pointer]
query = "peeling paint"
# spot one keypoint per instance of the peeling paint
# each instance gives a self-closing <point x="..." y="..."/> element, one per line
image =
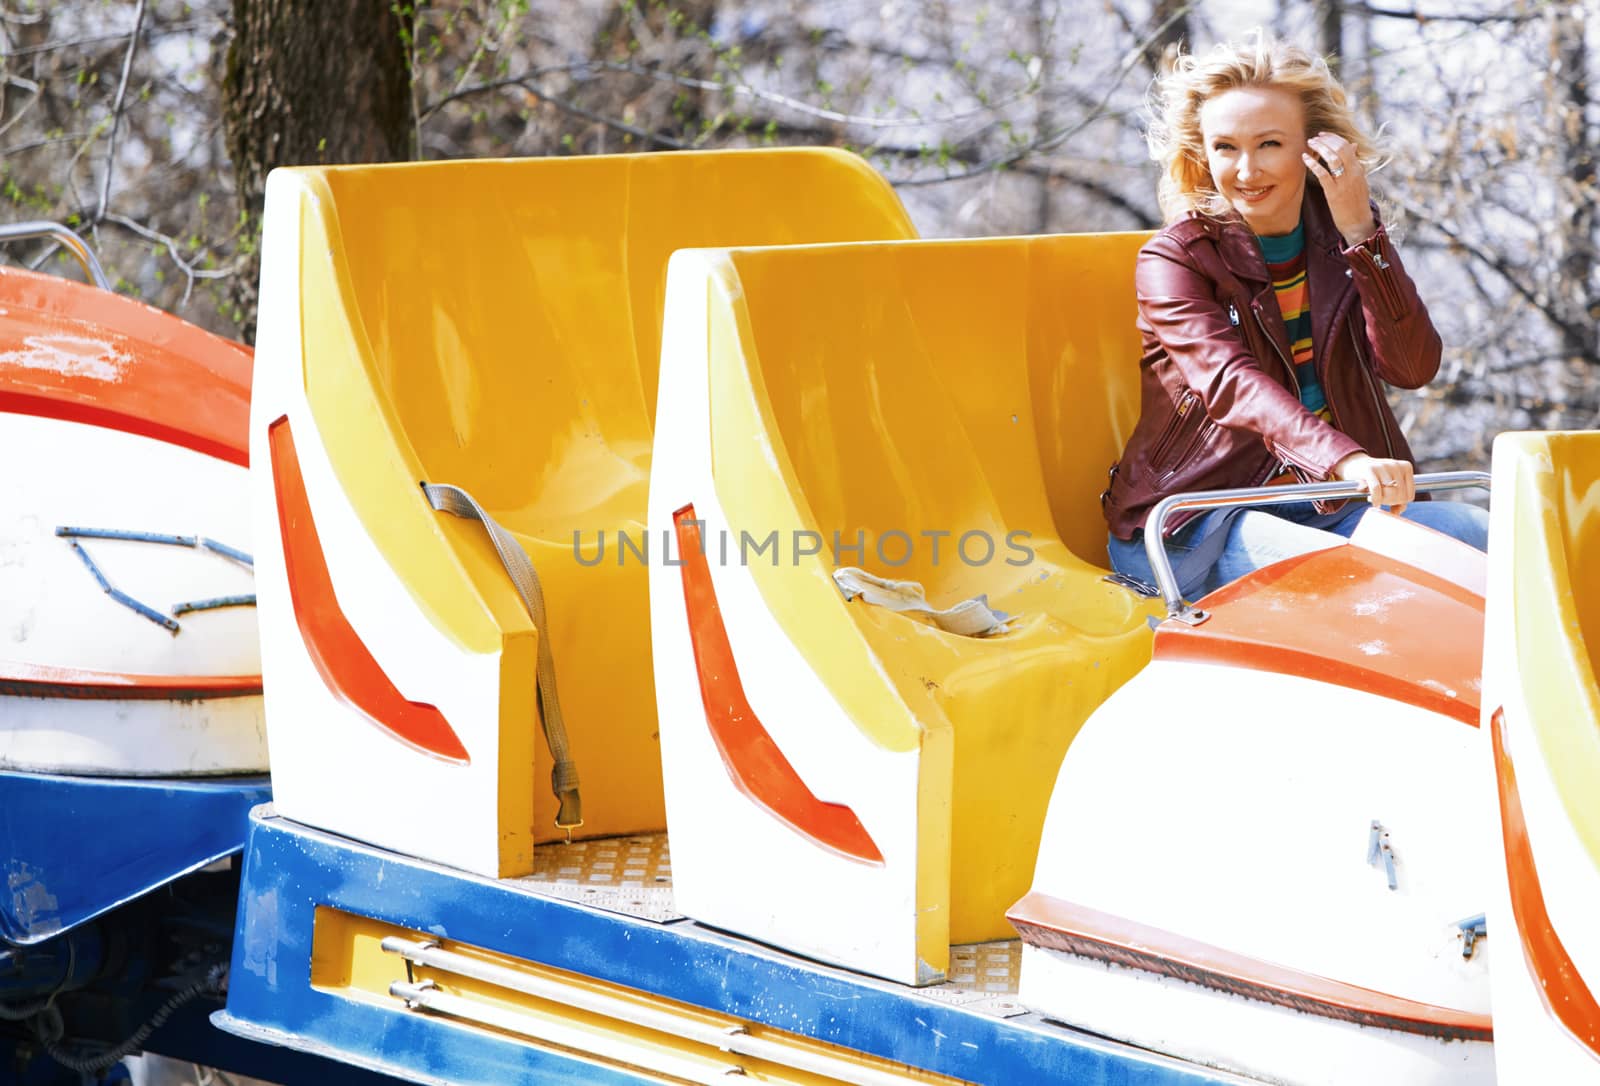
<point x="32" y="904"/>
<point x="1383" y="602"/>
<point x="260" y="955"/>
<point x="1435" y="684"/>
<point x="69" y="356"/>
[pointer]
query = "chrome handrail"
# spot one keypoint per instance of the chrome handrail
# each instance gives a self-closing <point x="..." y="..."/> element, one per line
<point x="1155" y="547"/>
<point x="62" y="236"/>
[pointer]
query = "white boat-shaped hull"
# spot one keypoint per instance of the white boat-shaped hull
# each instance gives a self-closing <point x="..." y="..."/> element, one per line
<point x="127" y="639"/>
<point x="1261" y="850"/>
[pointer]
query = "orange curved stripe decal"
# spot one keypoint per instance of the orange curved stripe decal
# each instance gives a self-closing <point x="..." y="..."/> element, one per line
<point x="80" y="354"/>
<point x="42" y="681"/>
<point x="1560" y="985"/>
<point x="753" y="761"/>
<point x="340" y="656"/>
<point x="1050" y="922"/>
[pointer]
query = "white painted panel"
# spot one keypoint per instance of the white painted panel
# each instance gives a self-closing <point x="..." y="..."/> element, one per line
<point x="332" y="767"/>
<point x="735" y="866"/>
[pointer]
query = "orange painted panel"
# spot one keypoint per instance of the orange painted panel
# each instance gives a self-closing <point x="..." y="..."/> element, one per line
<point x="1560" y="984"/>
<point x="1050" y="922"/>
<point x="753" y="761"/>
<point x="78" y="353"/>
<point x="340" y="656"/>
<point x="1349" y="617"/>
<point x="40" y="681"/>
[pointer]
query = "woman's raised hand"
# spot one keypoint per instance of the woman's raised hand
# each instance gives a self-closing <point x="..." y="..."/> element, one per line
<point x="1344" y="182"/>
<point x="1389" y="482"/>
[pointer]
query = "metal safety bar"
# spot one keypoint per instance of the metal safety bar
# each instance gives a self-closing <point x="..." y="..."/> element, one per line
<point x="1155" y="546"/>
<point x="734" y="1040"/>
<point x="79" y="248"/>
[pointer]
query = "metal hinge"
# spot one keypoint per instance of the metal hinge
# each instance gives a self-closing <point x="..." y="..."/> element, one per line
<point x="1378" y="848"/>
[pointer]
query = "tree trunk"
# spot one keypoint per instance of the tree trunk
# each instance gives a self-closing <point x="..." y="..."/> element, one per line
<point x="312" y="81"/>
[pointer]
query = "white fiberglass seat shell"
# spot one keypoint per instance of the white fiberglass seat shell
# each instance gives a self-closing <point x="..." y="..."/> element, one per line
<point x="1541" y="719"/>
<point x="843" y="780"/>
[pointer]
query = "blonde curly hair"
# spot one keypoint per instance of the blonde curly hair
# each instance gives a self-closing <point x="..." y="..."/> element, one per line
<point x="1257" y="61"/>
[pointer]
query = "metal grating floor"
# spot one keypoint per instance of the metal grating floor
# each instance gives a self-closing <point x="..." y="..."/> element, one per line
<point x="983" y="977"/>
<point x="630" y="875"/>
<point x="633" y="876"/>
<point x="990" y="968"/>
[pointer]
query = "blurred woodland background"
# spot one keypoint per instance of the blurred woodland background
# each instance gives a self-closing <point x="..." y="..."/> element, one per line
<point x="150" y="125"/>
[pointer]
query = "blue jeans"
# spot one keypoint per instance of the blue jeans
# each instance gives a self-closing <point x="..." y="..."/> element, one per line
<point x="1256" y="538"/>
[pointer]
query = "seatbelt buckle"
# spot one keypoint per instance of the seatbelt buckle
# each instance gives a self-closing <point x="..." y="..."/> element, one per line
<point x="568" y="827"/>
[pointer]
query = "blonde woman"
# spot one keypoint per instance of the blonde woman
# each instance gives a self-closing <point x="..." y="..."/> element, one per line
<point x="1272" y="305"/>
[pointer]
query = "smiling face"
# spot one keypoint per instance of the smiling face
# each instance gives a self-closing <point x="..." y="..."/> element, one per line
<point x="1254" y="137"/>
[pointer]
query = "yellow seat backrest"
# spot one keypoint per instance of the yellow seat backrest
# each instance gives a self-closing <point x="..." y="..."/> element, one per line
<point x="512" y="310"/>
<point x="1004" y="373"/>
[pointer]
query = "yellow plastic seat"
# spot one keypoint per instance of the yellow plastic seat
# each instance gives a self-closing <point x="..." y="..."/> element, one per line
<point x="495" y="326"/>
<point x="900" y="390"/>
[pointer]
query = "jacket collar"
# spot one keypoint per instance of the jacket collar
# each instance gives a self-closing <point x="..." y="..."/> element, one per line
<point x="1327" y="268"/>
<point x="1240" y="251"/>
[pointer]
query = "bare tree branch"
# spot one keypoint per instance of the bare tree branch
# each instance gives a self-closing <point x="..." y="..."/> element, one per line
<point x="116" y="111"/>
<point x="1413" y="15"/>
<point x="31" y="145"/>
<point x="171" y="245"/>
<point x="612" y="123"/>
<point x="99" y="39"/>
<point x="1130" y="61"/>
<point x="1499" y="265"/>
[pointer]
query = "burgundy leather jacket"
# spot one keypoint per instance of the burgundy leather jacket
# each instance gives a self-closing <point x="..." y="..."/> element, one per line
<point x="1220" y="405"/>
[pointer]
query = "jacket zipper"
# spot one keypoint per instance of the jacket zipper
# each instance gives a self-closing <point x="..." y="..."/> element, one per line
<point x="1188" y="450"/>
<point x="1377" y="401"/>
<point x="1380" y="271"/>
<point x="1164" y="443"/>
<point x="1294" y="378"/>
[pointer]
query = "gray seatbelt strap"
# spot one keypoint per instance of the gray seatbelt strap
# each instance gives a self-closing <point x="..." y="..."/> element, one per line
<point x="564" y="773"/>
<point x="969" y="618"/>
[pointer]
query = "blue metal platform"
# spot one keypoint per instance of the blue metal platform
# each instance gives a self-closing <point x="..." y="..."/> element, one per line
<point x="290" y="870"/>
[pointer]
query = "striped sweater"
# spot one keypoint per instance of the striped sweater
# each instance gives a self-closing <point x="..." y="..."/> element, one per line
<point x="1286" y="263"/>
